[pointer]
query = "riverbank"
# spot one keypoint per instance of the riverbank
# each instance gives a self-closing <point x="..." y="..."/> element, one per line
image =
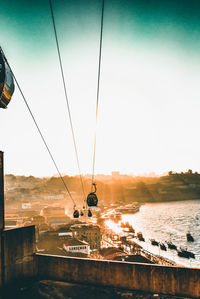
<point x="169" y="222"/>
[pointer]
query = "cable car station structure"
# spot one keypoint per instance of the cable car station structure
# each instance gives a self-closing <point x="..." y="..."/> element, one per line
<point x="18" y="258"/>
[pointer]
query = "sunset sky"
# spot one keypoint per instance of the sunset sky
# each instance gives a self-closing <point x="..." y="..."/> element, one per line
<point x="149" y="105"/>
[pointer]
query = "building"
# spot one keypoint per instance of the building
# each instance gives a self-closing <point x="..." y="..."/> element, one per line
<point x="55" y="221"/>
<point x="55" y="216"/>
<point x="38" y="220"/>
<point x="90" y="233"/>
<point x="76" y="246"/>
<point x="54" y="211"/>
<point x="64" y="235"/>
<point x="12" y="222"/>
<point x="54" y="197"/>
<point x="26" y="205"/>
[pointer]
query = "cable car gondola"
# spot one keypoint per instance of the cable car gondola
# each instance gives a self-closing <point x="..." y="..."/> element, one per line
<point x="92" y="199"/>
<point x="76" y="213"/>
<point x="6" y="82"/>
<point x="89" y="213"/>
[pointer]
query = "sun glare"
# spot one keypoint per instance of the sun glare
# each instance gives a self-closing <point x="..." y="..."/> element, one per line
<point x="113" y="226"/>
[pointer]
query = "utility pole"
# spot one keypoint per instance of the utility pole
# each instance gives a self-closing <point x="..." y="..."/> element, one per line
<point x="2" y="223"/>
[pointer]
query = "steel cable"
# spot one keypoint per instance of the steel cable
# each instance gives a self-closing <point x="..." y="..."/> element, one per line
<point x="41" y="135"/>
<point x="66" y="96"/>
<point x="98" y="86"/>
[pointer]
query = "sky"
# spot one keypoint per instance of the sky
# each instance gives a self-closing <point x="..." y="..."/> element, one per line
<point x="149" y="99"/>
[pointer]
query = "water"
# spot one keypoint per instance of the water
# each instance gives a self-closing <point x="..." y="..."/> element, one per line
<point x="169" y="222"/>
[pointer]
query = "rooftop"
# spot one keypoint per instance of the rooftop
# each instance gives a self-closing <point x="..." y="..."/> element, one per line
<point x="85" y="225"/>
<point x="74" y="242"/>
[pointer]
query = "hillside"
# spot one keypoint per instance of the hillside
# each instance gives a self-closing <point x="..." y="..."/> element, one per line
<point x="124" y="188"/>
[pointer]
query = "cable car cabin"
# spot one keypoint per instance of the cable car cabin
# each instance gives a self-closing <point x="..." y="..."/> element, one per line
<point x="89" y="213"/>
<point x="92" y="200"/>
<point x="6" y="82"/>
<point x="76" y="214"/>
<point x="82" y="213"/>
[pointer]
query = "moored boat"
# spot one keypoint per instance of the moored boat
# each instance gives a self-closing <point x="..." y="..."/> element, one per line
<point x="154" y="242"/>
<point x="171" y="246"/>
<point x="189" y="237"/>
<point x="128" y="209"/>
<point x="163" y="247"/>
<point x="140" y="237"/>
<point x="186" y="254"/>
<point x="131" y="229"/>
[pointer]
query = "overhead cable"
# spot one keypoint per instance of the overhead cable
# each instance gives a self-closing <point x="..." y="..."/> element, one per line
<point x="41" y="135"/>
<point x="98" y="87"/>
<point x="66" y="95"/>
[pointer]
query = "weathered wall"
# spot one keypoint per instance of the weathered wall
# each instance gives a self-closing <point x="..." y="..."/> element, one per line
<point x="19" y="249"/>
<point x="22" y="262"/>
<point x="1" y="218"/>
<point x="151" y="278"/>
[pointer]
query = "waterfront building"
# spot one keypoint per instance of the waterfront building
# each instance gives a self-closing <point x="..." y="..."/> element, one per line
<point x="55" y="221"/>
<point x="54" y="211"/>
<point x="76" y="246"/>
<point x="90" y="233"/>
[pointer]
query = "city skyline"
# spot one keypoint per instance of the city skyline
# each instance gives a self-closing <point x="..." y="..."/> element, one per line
<point x="149" y="94"/>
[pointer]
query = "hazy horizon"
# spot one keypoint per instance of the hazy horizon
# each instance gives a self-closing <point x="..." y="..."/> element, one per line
<point x="150" y="175"/>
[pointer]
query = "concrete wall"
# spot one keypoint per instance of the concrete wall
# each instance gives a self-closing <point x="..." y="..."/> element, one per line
<point x="22" y="262"/>
<point x="19" y="250"/>
<point x="151" y="278"/>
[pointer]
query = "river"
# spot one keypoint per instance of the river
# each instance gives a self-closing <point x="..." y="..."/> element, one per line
<point x="169" y="221"/>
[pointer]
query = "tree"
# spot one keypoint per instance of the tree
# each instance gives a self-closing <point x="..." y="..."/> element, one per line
<point x="189" y="171"/>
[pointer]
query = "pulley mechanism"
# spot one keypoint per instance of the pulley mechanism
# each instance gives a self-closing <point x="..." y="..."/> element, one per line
<point x="6" y="81"/>
<point x="92" y="199"/>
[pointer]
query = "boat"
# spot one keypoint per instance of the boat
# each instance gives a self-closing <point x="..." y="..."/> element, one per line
<point x="115" y="216"/>
<point x="131" y="235"/>
<point x="128" y="209"/>
<point x="140" y="237"/>
<point x="131" y="230"/>
<point x="125" y="225"/>
<point x="186" y="254"/>
<point x="192" y="255"/>
<point x="171" y="246"/>
<point x="163" y="247"/>
<point x="118" y="216"/>
<point x="154" y="242"/>
<point x="189" y="237"/>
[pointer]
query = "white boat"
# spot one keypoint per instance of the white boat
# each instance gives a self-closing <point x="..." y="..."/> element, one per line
<point x="128" y="209"/>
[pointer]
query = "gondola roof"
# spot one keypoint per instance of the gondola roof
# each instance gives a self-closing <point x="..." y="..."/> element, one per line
<point x="6" y="82"/>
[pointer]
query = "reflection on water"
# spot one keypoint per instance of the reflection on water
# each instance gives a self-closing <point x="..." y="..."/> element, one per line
<point x="114" y="226"/>
<point x="168" y="222"/>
